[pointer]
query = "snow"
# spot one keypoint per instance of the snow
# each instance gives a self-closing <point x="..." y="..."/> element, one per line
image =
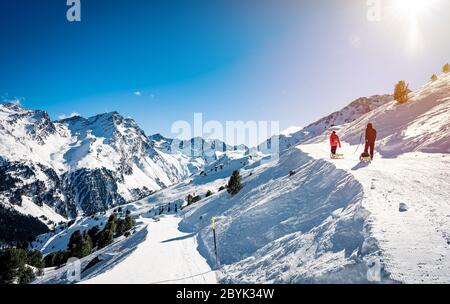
<point x="30" y="208"/>
<point x="312" y="225"/>
<point x="109" y="257"/>
<point x="415" y="244"/>
<point x="291" y="130"/>
<point x="165" y="256"/>
<point x="57" y="240"/>
<point x="158" y="253"/>
<point x="346" y="115"/>
<point x="103" y="141"/>
<point x="17" y="144"/>
<point x="422" y="124"/>
<point x="332" y="221"/>
<point x="406" y="188"/>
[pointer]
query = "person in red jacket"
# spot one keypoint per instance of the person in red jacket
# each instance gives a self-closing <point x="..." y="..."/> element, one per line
<point x="335" y="142"/>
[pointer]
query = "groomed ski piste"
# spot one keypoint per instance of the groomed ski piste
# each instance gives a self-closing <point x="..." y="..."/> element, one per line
<point x="302" y="218"/>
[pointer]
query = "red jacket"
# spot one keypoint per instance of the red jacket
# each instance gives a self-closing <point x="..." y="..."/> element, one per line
<point x="334" y="140"/>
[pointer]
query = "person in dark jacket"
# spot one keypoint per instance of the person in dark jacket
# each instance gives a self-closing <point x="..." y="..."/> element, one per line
<point x="371" y="137"/>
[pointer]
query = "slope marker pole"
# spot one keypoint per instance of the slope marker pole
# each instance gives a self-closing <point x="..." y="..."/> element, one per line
<point x="213" y="226"/>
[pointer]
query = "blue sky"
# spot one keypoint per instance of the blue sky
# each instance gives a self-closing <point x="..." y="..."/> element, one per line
<point x="291" y="61"/>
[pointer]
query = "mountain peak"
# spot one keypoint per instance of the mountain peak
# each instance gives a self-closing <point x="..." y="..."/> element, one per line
<point x="11" y="105"/>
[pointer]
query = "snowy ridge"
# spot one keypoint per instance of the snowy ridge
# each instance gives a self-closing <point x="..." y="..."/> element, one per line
<point x="197" y="148"/>
<point x="422" y="124"/>
<point x="348" y="114"/>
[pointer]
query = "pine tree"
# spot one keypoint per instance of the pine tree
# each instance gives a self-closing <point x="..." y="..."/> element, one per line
<point x="446" y="68"/>
<point x="106" y="237"/>
<point x="209" y="193"/>
<point x="12" y="263"/>
<point x="56" y="258"/>
<point x="234" y="184"/>
<point x="80" y="245"/>
<point x="196" y="198"/>
<point x="401" y="92"/>
<point x="74" y="245"/>
<point x="434" y="77"/>
<point x="112" y="223"/>
<point x="26" y="275"/>
<point x="93" y="234"/>
<point x="86" y="245"/>
<point x="120" y="227"/>
<point x="129" y="223"/>
<point x="34" y="258"/>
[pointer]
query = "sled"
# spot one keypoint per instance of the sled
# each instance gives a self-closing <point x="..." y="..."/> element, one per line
<point x="337" y="156"/>
<point x="365" y="157"/>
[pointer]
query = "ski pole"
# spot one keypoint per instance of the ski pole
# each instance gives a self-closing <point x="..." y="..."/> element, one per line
<point x="360" y="138"/>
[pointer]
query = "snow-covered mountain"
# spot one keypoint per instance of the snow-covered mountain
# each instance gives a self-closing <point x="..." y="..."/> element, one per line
<point x="346" y="115"/>
<point x="196" y="148"/>
<point x="197" y="153"/>
<point x="59" y="169"/>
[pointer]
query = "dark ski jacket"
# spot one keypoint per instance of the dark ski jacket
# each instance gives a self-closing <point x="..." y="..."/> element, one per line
<point x="371" y="134"/>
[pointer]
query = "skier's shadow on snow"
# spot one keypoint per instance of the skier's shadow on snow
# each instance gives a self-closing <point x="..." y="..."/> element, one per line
<point x="360" y="165"/>
<point x="179" y="238"/>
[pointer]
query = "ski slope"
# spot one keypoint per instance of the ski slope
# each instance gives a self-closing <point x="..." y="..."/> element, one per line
<point x="157" y="253"/>
<point x="165" y="256"/>
<point x="414" y="244"/>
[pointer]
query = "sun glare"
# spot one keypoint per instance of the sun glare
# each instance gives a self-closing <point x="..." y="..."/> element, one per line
<point x="411" y="8"/>
<point x="413" y="14"/>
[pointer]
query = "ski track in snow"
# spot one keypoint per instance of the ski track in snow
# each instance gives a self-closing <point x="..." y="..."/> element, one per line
<point x="415" y="244"/>
<point x="165" y="256"/>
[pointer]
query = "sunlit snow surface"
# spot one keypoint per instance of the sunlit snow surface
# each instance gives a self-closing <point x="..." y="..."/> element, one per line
<point x="329" y="221"/>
